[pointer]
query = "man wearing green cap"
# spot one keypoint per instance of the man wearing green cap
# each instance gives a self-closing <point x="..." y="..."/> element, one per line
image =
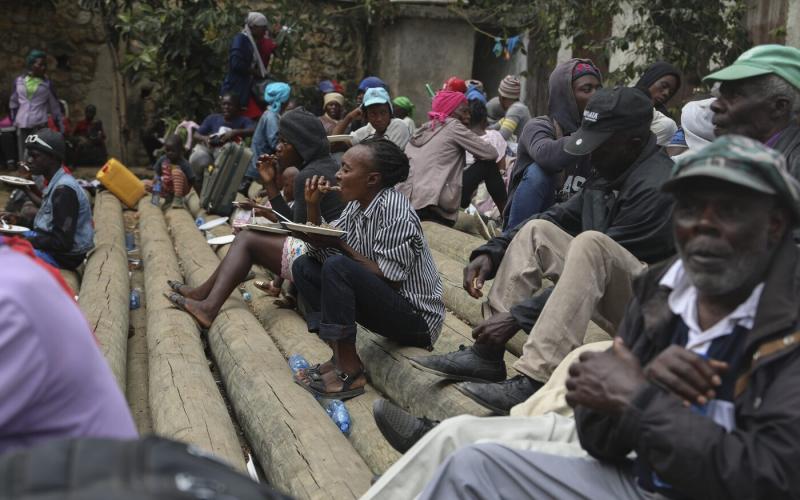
<point x="703" y="380"/>
<point x="759" y="97"/>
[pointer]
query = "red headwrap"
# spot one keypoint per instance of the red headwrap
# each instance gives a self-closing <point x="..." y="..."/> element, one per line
<point x="445" y="102"/>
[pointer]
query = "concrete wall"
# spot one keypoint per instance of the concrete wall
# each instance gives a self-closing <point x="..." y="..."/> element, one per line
<point x="414" y="51"/>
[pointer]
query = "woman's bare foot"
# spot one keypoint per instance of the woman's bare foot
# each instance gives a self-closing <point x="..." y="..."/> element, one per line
<point x="194" y="308"/>
<point x="185" y="290"/>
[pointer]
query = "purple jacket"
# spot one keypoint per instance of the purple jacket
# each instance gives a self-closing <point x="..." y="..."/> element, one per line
<point x="29" y="113"/>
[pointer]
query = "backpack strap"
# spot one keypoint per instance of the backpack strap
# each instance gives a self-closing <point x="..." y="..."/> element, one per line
<point x="765" y="350"/>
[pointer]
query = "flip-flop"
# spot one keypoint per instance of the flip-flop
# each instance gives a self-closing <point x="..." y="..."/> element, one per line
<point x="175" y="285"/>
<point x="179" y="302"/>
<point x="317" y="387"/>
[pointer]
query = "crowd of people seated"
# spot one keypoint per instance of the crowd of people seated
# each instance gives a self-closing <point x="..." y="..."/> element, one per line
<point x="677" y="237"/>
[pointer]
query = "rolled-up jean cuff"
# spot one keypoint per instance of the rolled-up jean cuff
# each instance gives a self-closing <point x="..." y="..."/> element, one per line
<point x="328" y="331"/>
<point x="313" y="320"/>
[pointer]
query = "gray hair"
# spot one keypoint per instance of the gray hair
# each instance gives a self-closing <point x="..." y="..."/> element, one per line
<point x="773" y="86"/>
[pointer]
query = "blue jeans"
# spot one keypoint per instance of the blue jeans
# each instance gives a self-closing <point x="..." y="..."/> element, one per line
<point x="341" y="292"/>
<point x="535" y="193"/>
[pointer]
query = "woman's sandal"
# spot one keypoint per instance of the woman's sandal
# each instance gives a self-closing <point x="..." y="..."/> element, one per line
<point x="175" y="285"/>
<point x="179" y="302"/>
<point x="317" y="387"/>
<point x="267" y="287"/>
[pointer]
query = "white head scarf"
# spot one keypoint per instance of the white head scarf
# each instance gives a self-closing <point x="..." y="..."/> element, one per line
<point x="696" y="121"/>
<point x="255" y="19"/>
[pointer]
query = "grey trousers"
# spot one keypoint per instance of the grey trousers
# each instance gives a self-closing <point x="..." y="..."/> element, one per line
<point x="593" y="276"/>
<point x="493" y="471"/>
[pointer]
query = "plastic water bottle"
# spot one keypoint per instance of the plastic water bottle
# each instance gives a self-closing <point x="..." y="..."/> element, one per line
<point x="135" y="299"/>
<point x="130" y="241"/>
<point x="156" y="199"/>
<point x="199" y="221"/>
<point x="339" y="414"/>
<point x="247" y="297"/>
<point x="297" y="362"/>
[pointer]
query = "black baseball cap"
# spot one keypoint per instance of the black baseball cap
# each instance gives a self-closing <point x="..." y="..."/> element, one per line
<point x="607" y="112"/>
<point x="48" y="142"/>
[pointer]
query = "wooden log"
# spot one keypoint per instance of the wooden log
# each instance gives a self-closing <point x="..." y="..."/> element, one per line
<point x="185" y="403"/>
<point x="301" y="450"/>
<point x="291" y="335"/>
<point x="105" y="290"/>
<point x="451" y="242"/>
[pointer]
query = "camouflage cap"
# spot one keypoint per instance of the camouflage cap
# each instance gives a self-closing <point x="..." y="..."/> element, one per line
<point x="742" y="161"/>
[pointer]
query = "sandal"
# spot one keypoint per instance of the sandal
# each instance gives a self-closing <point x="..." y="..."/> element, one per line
<point x="179" y="302"/>
<point x="317" y="387"/>
<point x="267" y="287"/>
<point x="175" y="285"/>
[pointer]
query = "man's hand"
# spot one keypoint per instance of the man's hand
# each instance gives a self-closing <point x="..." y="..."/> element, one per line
<point x="496" y="330"/>
<point x="8" y="217"/>
<point x="356" y="114"/>
<point x="605" y="381"/>
<point x="475" y="274"/>
<point x="686" y="374"/>
<point x="267" y="169"/>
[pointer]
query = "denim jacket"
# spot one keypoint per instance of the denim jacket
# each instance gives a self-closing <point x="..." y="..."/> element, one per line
<point x="84" y="232"/>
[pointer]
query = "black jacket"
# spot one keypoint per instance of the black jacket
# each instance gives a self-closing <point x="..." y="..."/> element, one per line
<point x="631" y="209"/>
<point x="759" y="458"/>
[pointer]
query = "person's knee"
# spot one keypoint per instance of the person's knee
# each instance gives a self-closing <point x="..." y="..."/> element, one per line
<point x="337" y="267"/>
<point x="589" y="244"/>
<point x="535" y="229"/>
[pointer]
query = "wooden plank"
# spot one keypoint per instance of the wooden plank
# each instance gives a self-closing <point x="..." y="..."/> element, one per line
<point x="301" y="450"/>
<point x="105" y="290"/>
<point x="185" y="403"/>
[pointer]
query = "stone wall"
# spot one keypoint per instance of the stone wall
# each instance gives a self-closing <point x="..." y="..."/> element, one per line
<point x="75" y="44"/>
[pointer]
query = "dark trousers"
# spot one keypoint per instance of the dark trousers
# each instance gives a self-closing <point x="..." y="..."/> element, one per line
<point x="483" y="171"/>
<point x="341" y="292"/>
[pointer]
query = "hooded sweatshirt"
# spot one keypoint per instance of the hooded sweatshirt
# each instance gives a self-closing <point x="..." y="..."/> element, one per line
<point x="538" y="143"/>
<point x="436" y="153"/>
<point x="305" y="132"/>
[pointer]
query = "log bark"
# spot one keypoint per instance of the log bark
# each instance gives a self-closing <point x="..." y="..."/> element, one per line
<point x="105" y="290"/>
<point x="185" y="403"/>
<point x="301" y="450"/>
<point x="455" y="244"/>
<point x="289" y="332"/>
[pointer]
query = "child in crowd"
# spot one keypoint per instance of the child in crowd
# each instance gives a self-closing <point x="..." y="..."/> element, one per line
<point x="174" y="172"/>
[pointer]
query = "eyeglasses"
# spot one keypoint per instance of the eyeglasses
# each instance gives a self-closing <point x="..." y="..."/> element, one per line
<point x="35" y="139"/>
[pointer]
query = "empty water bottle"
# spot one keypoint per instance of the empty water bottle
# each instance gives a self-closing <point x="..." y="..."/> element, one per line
<point x="297" y="362"/>
<point x="135" y="299"/>
<point x="199" y="221"/>
<point x="130" y="241"/>
<point x="339" y="414"/>
<point x="156" y="199"/>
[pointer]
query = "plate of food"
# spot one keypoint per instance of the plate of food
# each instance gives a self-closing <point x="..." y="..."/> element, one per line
<point x="323" y="230"/>
<point x="272" y="227"/>
<point x="222" y="240"/>
<point x="16" y="181"/>
<point x="12" y="229"/>
<point x="213" y="223"/>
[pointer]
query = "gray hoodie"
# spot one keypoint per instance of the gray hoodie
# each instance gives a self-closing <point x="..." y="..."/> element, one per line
<point x="538" y="142"/>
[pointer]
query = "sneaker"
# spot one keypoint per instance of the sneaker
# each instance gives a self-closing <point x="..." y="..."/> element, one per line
<point x="400" y="428"/>
<point x="500" y="397"/>
<point x="463" y="364"/>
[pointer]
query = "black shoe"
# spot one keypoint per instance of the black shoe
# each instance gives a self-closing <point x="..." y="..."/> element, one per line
<point x="400" y="428"/>
<point x="463" y="364"/>
<point x="501" y="396"/>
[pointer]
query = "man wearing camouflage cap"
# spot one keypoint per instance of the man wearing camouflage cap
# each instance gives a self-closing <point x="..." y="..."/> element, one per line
<point x="759" y="97"/>
<point x="703" y="380"/>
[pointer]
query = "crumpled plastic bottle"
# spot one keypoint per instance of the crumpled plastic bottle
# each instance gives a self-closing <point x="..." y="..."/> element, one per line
<point x="339" y="414"/>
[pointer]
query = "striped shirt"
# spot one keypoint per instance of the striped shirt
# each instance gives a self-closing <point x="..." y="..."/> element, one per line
<point x="389" y="233"/>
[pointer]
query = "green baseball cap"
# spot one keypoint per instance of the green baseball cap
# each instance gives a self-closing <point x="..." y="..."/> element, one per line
<point x="762" y="60"/>
<point x="742" y="161"/>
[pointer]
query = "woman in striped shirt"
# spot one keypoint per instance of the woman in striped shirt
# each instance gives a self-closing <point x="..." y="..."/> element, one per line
<point x="379" y="274"/>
